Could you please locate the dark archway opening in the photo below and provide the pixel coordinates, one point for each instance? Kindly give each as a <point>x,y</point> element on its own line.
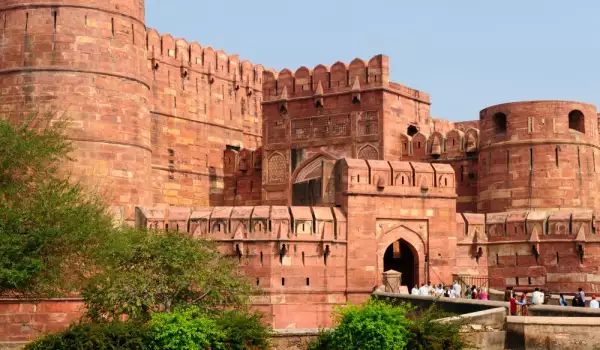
<point>399,256</point>
<point>412,130</point>
<point>577,121</point>
<point>500,123</point>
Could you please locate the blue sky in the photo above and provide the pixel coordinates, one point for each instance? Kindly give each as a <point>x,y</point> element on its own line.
<point>467,54</point>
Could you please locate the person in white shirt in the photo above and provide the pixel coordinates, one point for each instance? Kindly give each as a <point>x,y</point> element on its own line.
<point>594,303</point>
<point>439,290</point>
<point>537,298</point>
<point>452,293</point>
<point>424,290</point>
<point>415,290</point>
<point>457,289</point>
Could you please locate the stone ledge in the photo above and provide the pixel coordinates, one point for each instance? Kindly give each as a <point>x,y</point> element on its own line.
<point>554,320</point>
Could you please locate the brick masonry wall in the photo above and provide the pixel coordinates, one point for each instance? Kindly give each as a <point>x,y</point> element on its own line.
<point>202,101</point>
<point>538,161</point>
<point>26,320</point>
<point>85,59</point>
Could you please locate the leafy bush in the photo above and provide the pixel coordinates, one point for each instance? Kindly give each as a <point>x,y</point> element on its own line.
<point>427,334</point>
<point>373,325</point>
<point>244,330</point>
<point>98,336</point>
<point>186,330</point>
<point>377,324</point>
<point>191,328</point>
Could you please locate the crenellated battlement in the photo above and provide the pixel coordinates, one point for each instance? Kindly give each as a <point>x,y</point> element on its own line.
<point>252,223</point>
<point>358,75</point>
<point>452,144</point>
<point>164,49</point>
<point>395,177</point>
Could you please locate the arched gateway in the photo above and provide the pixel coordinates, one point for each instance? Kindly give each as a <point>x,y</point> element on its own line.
<point>400,256</point>
<point>403,250</point>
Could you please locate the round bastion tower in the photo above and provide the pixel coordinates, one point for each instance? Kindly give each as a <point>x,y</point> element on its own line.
<point>85,59</point>
<point>541,155</point>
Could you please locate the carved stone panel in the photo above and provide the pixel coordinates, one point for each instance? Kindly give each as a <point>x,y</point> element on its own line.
<point>276,169</point>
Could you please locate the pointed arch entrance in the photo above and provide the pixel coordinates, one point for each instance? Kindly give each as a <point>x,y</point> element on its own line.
<point>399,256</point>
<point>312,181</point>
<point>402,249</point>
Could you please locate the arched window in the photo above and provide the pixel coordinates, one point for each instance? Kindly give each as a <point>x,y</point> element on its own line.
<point>499,123</point>
<point>577,121</point>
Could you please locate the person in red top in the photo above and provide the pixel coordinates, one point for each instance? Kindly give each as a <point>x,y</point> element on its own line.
<point>513,305</point>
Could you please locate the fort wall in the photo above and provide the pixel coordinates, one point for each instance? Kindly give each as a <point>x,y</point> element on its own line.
<point>538,155</point>
<point>87,60</point>
<point>204,102</point>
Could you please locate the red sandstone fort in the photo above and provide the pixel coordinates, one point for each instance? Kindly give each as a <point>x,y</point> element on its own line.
<point>317,179</point>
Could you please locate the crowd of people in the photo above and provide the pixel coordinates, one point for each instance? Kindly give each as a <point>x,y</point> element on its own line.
<point>450,291</point>
<point>538,298</point>
<point>519,304</point>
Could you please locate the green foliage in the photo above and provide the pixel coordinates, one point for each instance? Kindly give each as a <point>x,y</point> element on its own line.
<point>186,329</point>
<point>379,325</point>
<point>98,336</point>
<point>146,271</point>
<point>426,333</point>
<point>373,325</point>
<point>45,220</point>
<point>244,330</point>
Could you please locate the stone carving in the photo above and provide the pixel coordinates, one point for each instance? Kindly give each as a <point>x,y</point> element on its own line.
<point>368,123</point>
<point>368,152</point>
<point>276,169</point>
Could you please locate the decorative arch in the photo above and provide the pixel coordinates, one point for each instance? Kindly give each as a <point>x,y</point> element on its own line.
<point>368,152</point>
<point>414,241</point>
<point>305,170</point>
<point>276,168</point>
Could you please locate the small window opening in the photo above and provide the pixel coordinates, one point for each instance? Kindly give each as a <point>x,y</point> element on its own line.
<point>412,130</point>
<point>358,178</point>
<point>307,281</point>
<point>516,281</point>
<point>497,260</point>
<point>112,24</point>
<point>283,281</point>
<point>258,281</point>
<point>445,182</point>
<point>419,144</point>
<point>557,258</point>
<point>303,261</point>
<point>403,179</point>
<point>499,123</point>
<point>556,150</point>
<point>530,158</point>
<point>261,258</point>
<point>516,229</point>
<point>167,227</point>
<point>577,121</point>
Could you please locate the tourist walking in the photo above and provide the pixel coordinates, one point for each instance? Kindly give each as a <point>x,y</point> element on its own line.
<point>574,301</point>
<point>523,302</point>
<point>423,291</point>
<point>415,290</point>
<point>513,305</point>
<point>537,298</point>
<point>594,303</point>
<point>457,289</point>
<point>562,300</point>
<point>581,298</point>
<point>474,294</point>
<point>483,294</point>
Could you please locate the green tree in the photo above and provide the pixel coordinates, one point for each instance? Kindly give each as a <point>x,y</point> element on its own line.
<point>47,223</point>
<point>149,271</point>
